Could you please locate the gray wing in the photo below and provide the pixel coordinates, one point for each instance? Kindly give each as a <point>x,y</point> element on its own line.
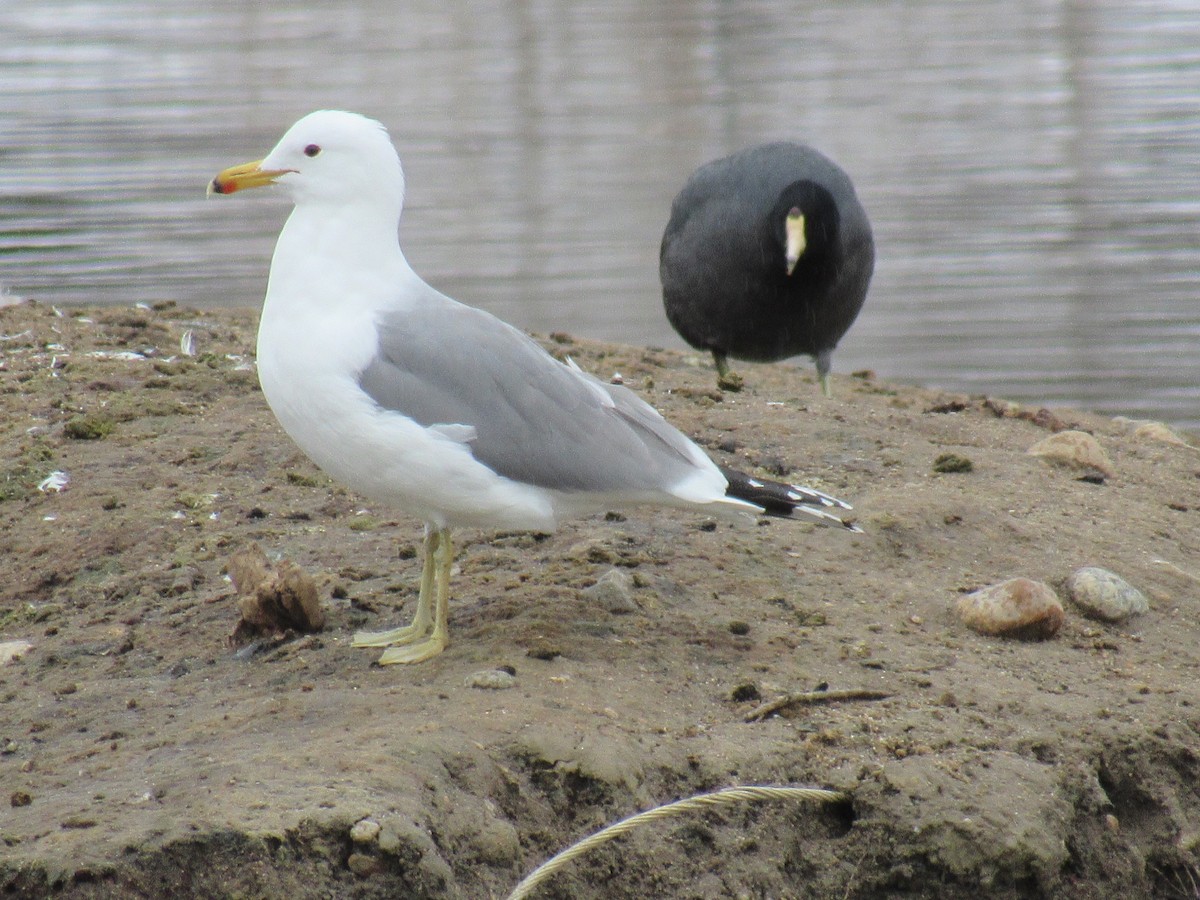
<point>536,420</point>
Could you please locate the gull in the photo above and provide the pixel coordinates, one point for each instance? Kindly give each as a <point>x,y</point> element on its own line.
<point>437,408</point>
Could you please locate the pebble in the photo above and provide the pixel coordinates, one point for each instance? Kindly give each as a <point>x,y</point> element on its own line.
<point>1104,595</point>
<point>362,865</point>
<point>1018,608</point>
<point>1157,431</point>
<point>491,680</point>
<point>1076,450</point>
<point>364,831</point>
<point>613,592</point>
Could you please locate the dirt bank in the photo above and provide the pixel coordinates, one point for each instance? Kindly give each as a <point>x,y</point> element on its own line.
<point>141,756</point>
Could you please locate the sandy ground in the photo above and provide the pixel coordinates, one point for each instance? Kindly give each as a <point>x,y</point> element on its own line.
<point>143,755</point>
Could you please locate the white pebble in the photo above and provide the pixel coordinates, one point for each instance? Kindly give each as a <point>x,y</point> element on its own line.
<point>1104,595</point>
<point>491,680</point>
<point>364,831</point>
<point>1074,449</point>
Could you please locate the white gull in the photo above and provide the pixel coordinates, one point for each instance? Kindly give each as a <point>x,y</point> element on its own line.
<point>437,408</point>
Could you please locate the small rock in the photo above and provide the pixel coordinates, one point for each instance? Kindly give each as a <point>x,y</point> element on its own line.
<point>1076,450</point>
<point>491,680</point>
<point>496,843</point>
<point>362,865</point>
<point>391,837</point>
<point>613,593</point>
<point>1103,595</point>
<point>364,831</point>
<point>13,650</point>
<point>20,798</point>
<point>1157,431</point>
<point>1018,608</point>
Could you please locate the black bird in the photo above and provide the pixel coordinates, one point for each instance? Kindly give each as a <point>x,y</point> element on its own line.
<point>768,254</point>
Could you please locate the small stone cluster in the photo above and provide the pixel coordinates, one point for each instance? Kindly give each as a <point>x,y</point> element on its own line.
<point>1031,610</point>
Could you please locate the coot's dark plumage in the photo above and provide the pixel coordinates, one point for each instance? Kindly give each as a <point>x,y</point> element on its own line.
<point>768,254</point>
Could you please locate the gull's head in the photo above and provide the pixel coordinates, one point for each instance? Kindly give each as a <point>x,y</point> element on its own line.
<point>329,156</point>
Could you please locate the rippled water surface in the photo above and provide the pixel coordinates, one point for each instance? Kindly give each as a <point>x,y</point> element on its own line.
<point>1032,169</point>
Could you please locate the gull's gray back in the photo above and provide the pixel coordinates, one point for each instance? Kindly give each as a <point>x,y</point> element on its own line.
<point>536,420</point>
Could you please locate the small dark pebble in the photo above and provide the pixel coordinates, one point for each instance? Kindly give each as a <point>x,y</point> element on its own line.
<point>1091,478</point>
<point>611,516</point>
<point>952,462</point>
<point>20,798</point>
<point>710,525</point>
<point>257,513</point>
<point>728,445</point>
<point>745,693</point>
<point>739,628</point>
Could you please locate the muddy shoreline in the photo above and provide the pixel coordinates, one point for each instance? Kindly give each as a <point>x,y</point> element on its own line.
<point>143,756</point>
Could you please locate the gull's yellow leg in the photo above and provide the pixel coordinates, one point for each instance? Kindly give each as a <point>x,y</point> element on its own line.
<point>423,619</point>
<point>415,652</point>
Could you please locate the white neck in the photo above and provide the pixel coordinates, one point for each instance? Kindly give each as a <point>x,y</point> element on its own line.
<point>358,242</point>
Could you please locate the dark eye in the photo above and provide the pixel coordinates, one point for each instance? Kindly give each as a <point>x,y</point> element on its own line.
<point>312,150</point>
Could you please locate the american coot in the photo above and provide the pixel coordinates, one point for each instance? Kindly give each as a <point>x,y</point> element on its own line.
<point>443,410</point>
<point>768,254</point>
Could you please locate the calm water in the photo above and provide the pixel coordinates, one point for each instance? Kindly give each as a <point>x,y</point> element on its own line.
<point>1032,168</point>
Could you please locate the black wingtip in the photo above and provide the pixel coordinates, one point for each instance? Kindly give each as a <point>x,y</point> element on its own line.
<point>787,500</point>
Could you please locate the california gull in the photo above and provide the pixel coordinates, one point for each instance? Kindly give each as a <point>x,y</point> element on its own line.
<point>437,408</point>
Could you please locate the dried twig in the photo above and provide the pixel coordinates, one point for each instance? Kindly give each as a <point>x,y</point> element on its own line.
<point>767,709</point>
